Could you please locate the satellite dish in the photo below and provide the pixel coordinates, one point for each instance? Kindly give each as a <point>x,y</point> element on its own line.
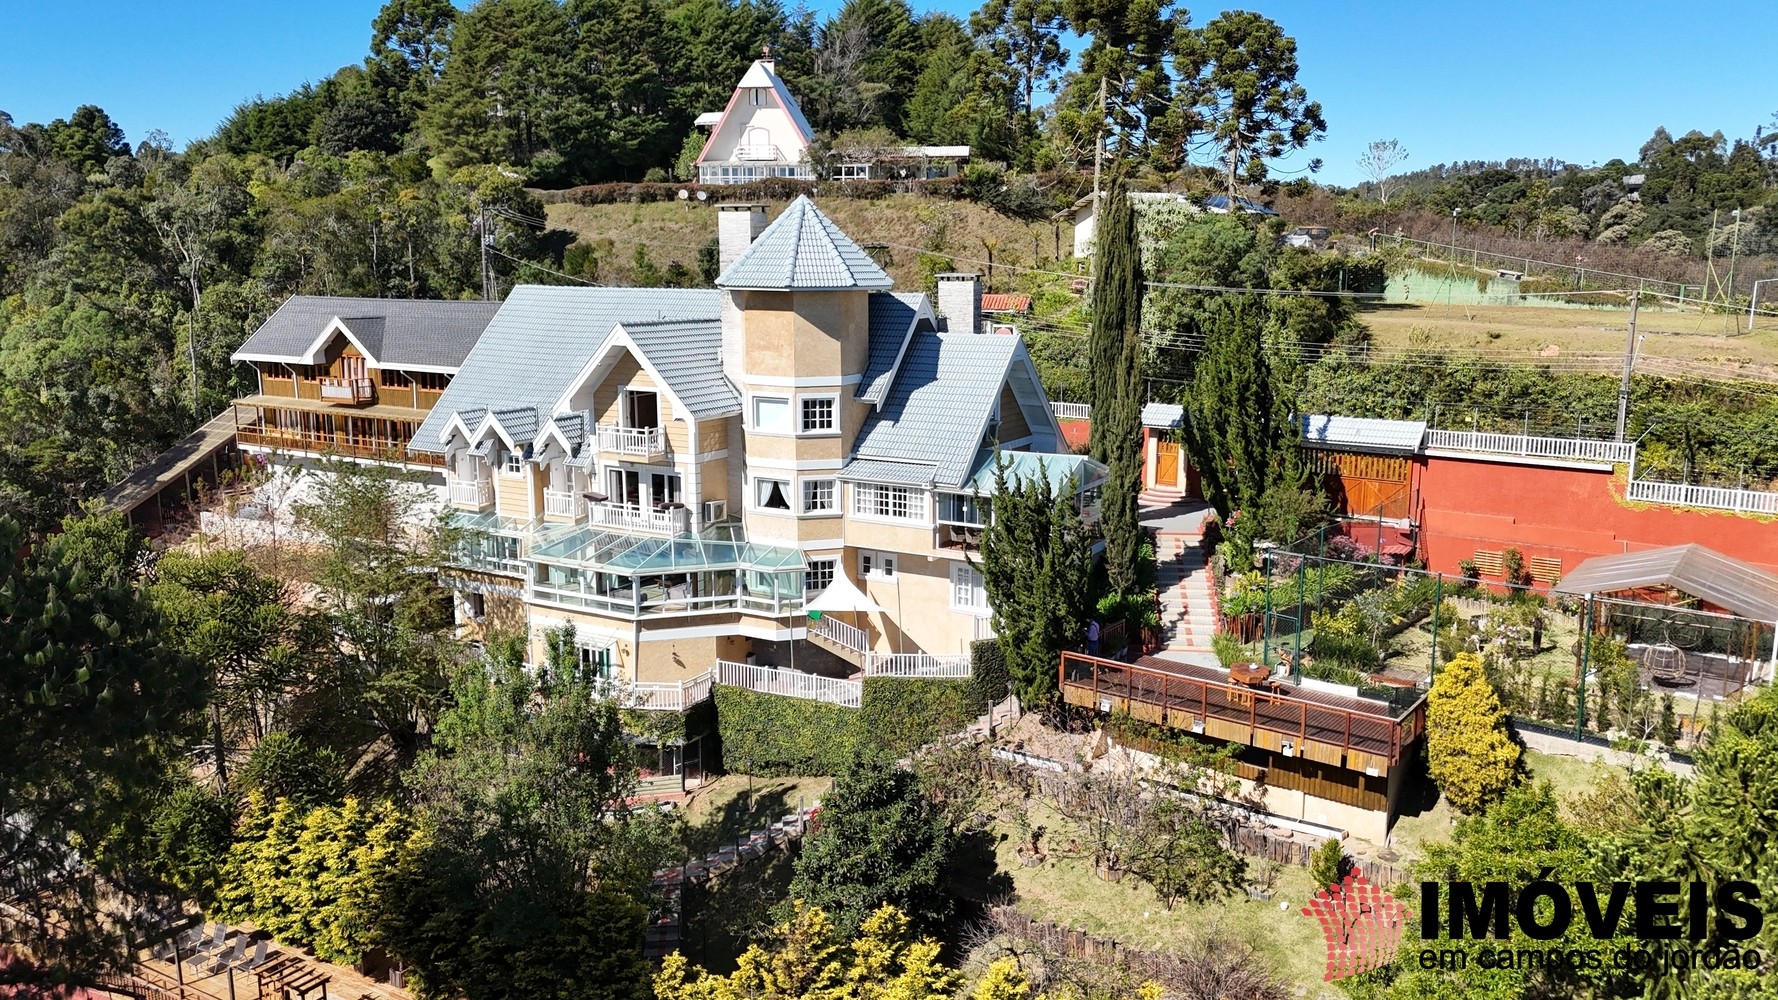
<point>684,194</point>
<point>703,195</point>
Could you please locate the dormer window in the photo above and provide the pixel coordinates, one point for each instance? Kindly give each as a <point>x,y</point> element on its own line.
<point>756,97</point>
<point>513,462</point>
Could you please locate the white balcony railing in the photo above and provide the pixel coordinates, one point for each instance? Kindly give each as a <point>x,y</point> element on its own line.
<point>349,390</point>
<point>758,151</point>
<point>915,665</point>
<point>628,517</point>
<point>658,696</point>
<point>1571,449</point>
<point>560,502</point>
<point>790,683</point>
<point>643,441</point>
<point>473,493</point>
<point>1714,497</point>
<point>840,634</point>
<point>1072,411</point>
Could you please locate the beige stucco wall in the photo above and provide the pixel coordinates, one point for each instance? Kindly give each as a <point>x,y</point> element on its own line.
<point>918,615</point>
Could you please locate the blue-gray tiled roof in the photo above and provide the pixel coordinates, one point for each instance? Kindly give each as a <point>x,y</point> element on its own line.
<point>935,412</point>
<point>892,318</point>
<point>1362,433</point>
<point>804,251</point>
<point>423,333</point>
<point>543,336</point>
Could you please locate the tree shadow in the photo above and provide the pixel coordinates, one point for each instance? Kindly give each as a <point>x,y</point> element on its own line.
<point>721,917</point>
<point>975,882</point>
<point>747,812</point>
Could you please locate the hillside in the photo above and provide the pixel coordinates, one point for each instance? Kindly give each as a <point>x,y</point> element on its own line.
<point>905,227</point>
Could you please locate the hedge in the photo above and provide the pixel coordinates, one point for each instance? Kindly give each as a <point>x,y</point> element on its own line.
<point>771,735</point>
<point>902,714</point>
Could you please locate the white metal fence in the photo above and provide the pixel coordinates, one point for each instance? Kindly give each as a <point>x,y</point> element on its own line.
<point>790,683</point>
<point>1573,449</point>
<point>840,634</point>
<point>915,665</point>
<point>1072,411</point>
<point>1716,497</point>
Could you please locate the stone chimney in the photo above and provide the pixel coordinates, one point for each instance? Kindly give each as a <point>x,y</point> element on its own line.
<point>737,226</point>
<point>960,301</point>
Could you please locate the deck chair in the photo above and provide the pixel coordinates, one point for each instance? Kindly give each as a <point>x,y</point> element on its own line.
<point>259,956</point>
<point>223,960</point>
<point>210,944</point>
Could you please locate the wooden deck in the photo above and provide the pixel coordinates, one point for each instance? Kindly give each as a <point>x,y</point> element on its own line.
<point>1355,733</point>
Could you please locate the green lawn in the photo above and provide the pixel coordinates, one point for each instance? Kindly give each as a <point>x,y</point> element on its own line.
<point>735,805</point>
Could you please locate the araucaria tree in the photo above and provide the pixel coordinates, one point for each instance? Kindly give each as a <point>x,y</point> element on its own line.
<point>1035,562</point>
<point>1115,350</point>
<point>1472,757</point>
<point>1248,101</point>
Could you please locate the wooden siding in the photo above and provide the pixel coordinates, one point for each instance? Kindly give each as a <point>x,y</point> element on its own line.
<point>1366,485</point>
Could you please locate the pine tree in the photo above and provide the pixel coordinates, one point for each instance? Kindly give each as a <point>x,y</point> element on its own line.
<point>1468,750</point>
<point>1035,562</point>
<point>1114,348</point>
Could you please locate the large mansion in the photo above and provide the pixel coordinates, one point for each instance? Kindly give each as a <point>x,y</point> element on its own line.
<point>678,472</point>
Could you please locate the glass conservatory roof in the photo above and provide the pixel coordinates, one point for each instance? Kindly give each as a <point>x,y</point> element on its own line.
<point>717,546</point>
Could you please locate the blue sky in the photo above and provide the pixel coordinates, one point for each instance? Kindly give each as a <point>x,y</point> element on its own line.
<point>1583,81</point>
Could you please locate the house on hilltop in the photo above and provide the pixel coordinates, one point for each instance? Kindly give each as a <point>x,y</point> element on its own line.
<point>762,133</point>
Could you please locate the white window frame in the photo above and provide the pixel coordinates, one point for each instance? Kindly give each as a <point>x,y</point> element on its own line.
<point>874,564</point>
<point>833,416</point>
<point>830,566</point>
<point>790,415</point>
<point>967,577</point>
<point>865,504</point>
<point>853,172</point>
<point>512,462</point>
<point>833,496</point>
<point>756,97</point>
<point>788,488</point>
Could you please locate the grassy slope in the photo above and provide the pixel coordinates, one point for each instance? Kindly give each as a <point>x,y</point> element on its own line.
<point>909,224</point>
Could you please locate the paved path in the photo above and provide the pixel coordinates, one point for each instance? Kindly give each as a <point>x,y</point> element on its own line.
<point>1188,619</point>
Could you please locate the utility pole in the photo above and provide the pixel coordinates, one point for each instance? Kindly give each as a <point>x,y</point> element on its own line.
<point>1099,155</point>
<point>486,239</point>
<point>1623,388</point>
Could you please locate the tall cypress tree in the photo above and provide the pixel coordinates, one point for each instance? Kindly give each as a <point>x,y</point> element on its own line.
<point>1115,349</point>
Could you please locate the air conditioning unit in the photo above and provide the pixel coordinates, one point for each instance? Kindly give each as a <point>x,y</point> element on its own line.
<point>715,510</point>
<point>1289,749</point>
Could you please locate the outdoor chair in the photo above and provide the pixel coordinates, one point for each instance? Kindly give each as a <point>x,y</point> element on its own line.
<point>225,959</point>
<point>259,956</point>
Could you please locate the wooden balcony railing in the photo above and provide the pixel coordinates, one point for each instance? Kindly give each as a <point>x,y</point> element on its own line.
<point>319,444</point>
<point>347,390</point>
<point>1292,721</point>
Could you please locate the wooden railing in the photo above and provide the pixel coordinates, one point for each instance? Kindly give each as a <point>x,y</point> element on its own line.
<point>628,517</point>
<point>347,390</point>
<point>473,493</point>
<point>1278,718</point>
<point>790,683</point>
<point>290,440</point>
<point>1714,497</point>
<point>642,441</point>
<point>1571,449</point>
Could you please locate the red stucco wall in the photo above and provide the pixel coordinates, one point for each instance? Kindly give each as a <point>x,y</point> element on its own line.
<point>1075,433</point>
<point>1572,514</point>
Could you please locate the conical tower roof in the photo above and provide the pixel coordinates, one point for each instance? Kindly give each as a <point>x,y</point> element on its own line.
<point>804,251</point>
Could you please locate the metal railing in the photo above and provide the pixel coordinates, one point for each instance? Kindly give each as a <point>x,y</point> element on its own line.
<point>351,390</point>
<point>477,493</point>
<point>662,696</point>
<point>629,517</point>
<point>630,440</point>
<point>562,502</point>
<point>1572,449</point>
<point>840,634</point>
<point>915,665</point>
<point>1714,497</point>
<point>757,151</point>
<point>1072,411</point>
<point>790,683</point>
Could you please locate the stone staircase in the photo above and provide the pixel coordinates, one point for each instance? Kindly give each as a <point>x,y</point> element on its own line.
<point>1160,496</point>
<point>1188,618</point>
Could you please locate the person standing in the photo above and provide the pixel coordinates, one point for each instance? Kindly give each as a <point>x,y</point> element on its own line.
<point>1093,637</point>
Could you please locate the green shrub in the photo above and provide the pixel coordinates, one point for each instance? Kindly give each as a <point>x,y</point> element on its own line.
<point>902,714</point>
<point>768,734</point>
<point>1328,864</point>
<point>989,680</point>
<point>1229,650</point>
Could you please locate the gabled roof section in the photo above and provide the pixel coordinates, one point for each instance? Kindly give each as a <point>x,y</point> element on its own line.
<point>1703,573</point>
<point>688,356</point>
<point>893,317</point>
<point>937,410</point>
<point>804,251</point>
<point>544,336</point>
<point>764,74</point>
<point>415,334</point>
<point>1392,437</point>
